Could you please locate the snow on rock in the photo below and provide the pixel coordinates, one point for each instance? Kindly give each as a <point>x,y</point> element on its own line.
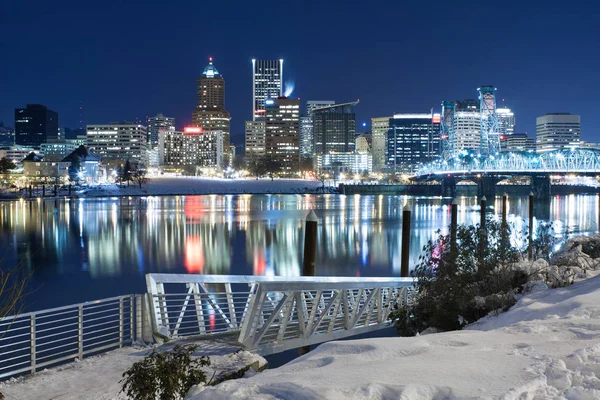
<point>546,346</point>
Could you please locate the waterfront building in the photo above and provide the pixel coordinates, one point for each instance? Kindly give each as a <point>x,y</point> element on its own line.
<point>466,125</point>
<point>16,153</point>
<point>118,141</point>
<point>413,140</point>
<point>255,139</point>
<point>379,130</point>
<point>334,128</point>
<point>557,131</point>
<point>89,164</point>
<point>191,147</point>
<point>34,125</point>
<point>35,167</point>
<point>363,144</point>
<point>155,124</point>
<point>349,162</point>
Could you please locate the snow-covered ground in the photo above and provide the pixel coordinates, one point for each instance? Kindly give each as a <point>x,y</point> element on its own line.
<point>98,377</point>
<point>193,185</point>
<point>546,347</point>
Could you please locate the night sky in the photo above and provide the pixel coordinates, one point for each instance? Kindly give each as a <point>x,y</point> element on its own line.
<point>130,59</point>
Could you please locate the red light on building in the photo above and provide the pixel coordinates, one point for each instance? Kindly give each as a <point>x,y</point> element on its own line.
<point>192,129</point>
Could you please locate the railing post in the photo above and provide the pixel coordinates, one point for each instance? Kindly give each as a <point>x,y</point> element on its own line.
<point>138,318</point>
<point>530,236</point>
<point>80,331</point>
<point>33,343</point>
<point>121,322</point>
<point>405,250</point>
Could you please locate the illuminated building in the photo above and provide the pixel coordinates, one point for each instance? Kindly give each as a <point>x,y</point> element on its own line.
<point>193,146</point>
<point>363,144</point>
<point>334,128</point>
<point>413,140</point>
<point>34,125</point>
<point>118,141</point>
<point>336,163</point>
<point>557,131</point>
<point>255,139</point>
<point>306,127</point>
<point>267,79</point>
<point>379,130</point>
<point>7,135</point>
<point>517,142</point>
<point>506,121</point>
<point>466,126</point>
<point>210,113</point>
<point>282,133</point>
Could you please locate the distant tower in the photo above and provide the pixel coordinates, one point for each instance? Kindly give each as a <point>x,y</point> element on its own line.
<point>489,135</point>
<point>267,79</point>
<point>447,130</point>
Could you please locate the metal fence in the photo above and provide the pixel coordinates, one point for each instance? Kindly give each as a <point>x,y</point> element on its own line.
<point>36,340</point>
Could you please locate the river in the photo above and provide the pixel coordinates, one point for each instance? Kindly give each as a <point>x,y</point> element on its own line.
<point>85,249</point>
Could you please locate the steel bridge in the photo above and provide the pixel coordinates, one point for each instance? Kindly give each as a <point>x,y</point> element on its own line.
<point>487,171</point>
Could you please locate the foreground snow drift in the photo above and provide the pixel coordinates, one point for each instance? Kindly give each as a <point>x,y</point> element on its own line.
<point>546,346</point>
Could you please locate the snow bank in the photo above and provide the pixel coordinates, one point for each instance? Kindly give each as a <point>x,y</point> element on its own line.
<point>193,185</point>
<point>546,346</point>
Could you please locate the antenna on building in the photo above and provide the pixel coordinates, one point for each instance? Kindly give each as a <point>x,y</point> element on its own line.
<point>81,115</point>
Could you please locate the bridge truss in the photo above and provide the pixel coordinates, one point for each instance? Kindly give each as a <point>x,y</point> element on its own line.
<point>586,161</point>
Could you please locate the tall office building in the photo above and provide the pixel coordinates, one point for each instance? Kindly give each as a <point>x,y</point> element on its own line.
<point>282,133</point>
<point>466,125</point>
<point>155,124</point>
<point>334,128</point>
<point>379,130</point>
<point>255,139</point>
<point>506,121</point>
<point>267,83</point>
<point>210,113</point>
<point>34,125</point>
<point>118,141</point>
<point>413,140</point>
<point>306,127</point>
<point>557,131</point>
<point>517,142</point>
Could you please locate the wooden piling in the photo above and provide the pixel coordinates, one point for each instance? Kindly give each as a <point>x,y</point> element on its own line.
<point>310,256</point>
<point>405,249</point>
<point>453,226</point>
<point>530,236</point>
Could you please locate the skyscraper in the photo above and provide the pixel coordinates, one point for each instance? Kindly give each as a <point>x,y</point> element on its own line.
<point>210,113</point>
<point>413,140</point>
<point>466,125</point>
<point>282,133</point>
<point>334,128</point>
<point>267,83</point>
<point>154,125</point>
<point>34,125</point>
<point>379,130</point>
<point>306,127</point>
<point>118,141</point>
<point>506,121</point>
<point>557,131</point>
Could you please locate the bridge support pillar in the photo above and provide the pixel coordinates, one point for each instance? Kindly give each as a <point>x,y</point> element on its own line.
<point>486,186</point>
<point>449,187</point>
<point>541,187</point>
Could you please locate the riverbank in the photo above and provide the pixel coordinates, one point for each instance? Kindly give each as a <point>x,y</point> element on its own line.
<point>180,186</point>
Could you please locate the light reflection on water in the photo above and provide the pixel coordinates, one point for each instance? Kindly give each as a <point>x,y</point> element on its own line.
<point>80,250</point>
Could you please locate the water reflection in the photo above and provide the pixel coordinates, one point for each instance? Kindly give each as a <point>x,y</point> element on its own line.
<point>96,239</point>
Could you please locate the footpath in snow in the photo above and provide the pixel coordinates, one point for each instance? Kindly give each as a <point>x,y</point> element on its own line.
<point>546,347</point>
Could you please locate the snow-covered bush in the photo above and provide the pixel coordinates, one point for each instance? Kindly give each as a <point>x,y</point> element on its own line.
<point>165,375</point>
<point>456,287</point>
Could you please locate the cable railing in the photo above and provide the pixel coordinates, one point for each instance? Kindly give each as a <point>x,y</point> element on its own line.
<point>33,341</point>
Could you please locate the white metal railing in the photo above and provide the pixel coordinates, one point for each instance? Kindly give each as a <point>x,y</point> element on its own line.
<point>36,340</point>
<point>273,314</point>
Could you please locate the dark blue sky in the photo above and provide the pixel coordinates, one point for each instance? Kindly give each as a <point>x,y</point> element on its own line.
<point>130,59</point>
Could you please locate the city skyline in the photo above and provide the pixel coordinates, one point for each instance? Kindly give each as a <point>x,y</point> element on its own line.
<point>530,89</point>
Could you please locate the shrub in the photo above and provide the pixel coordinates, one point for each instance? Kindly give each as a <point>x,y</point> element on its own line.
<point>456,286</point>
<point>165,375</point>
<point>544,241</point>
